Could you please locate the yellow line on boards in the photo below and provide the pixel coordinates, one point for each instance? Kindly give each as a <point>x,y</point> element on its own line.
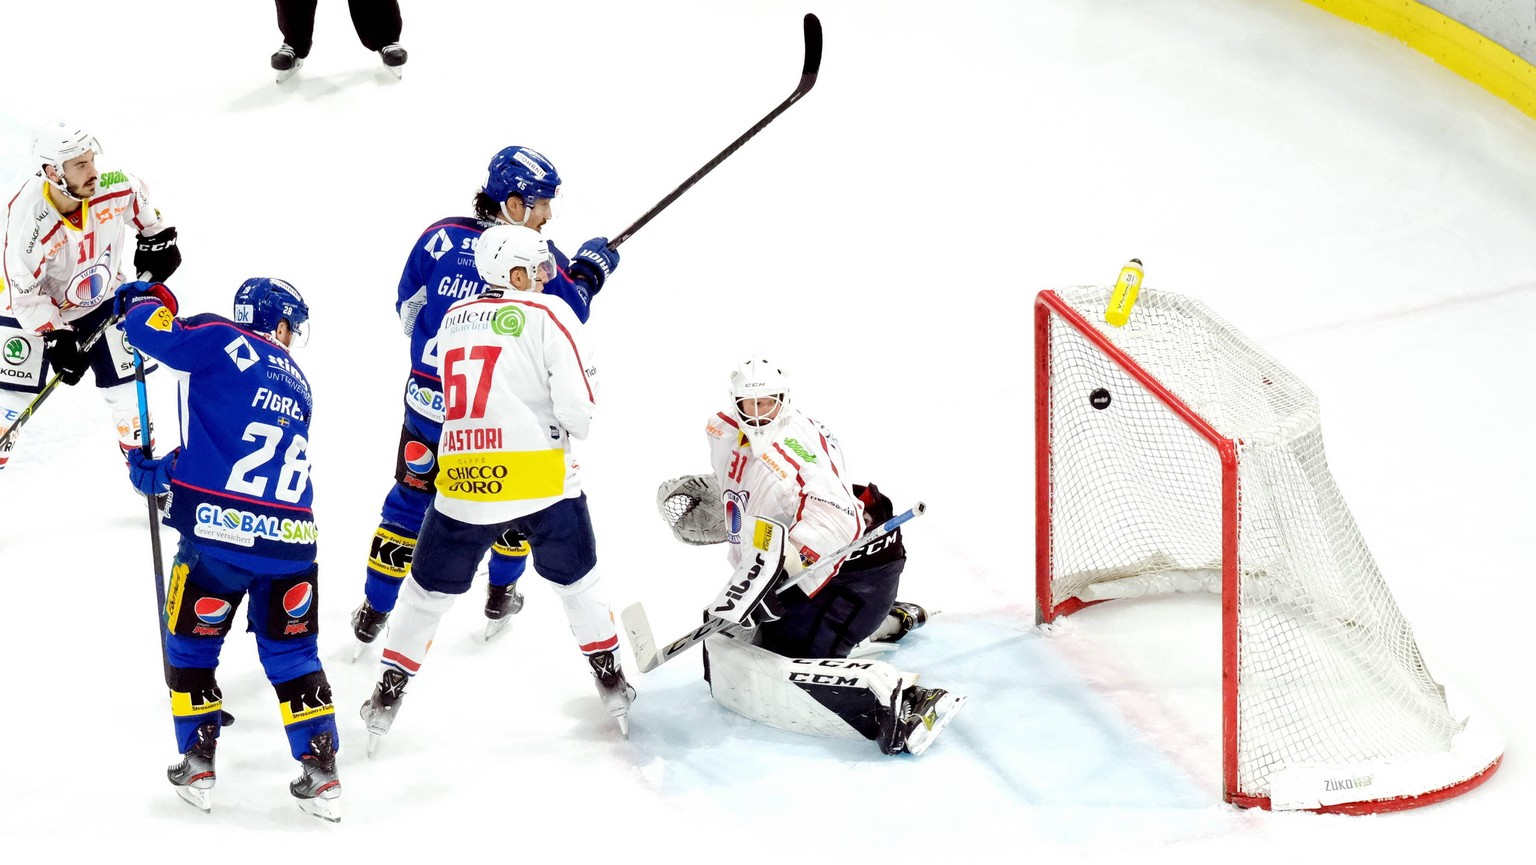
<point>1448,42</point>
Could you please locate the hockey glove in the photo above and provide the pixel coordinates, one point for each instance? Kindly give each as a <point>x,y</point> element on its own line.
<point>151,477</point>
<point>62,350</point>
<point>131,294</point>
<point>595,262</point>
<point>158,255</point>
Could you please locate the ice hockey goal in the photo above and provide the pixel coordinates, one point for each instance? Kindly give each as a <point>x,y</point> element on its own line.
<point>1172,454</point>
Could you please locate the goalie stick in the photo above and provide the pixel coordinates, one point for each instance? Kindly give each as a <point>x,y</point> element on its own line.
<point>807,81</point>
<point>643,642</point>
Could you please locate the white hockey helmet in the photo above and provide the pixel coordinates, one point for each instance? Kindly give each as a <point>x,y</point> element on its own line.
<point>758,378</point>
<point>58,143</point>
<point>503,247</point>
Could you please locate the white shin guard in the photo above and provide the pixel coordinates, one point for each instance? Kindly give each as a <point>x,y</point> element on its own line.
<point>123,403</point>
<point>413,625</point>
<point>587,610</point>
<point>782,692</point>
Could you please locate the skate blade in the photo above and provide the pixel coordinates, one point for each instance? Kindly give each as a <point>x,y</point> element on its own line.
<point>623,722</point>
<point>357,650</point>
<point>922,743</point>
<point>496,627</point>
<point>397,71</point>
<point>373,742</point>
<point>328,810</point>
<point>199,799</point>
<point>285,74</point>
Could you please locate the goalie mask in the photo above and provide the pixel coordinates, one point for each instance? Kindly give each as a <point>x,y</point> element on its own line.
<point>759,398</point>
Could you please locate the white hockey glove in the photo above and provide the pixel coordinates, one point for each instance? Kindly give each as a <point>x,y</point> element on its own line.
<point>691,507</point>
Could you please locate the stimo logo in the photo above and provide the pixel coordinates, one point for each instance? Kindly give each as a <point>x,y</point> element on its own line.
<point>242,353</point>
<point>439,244</point>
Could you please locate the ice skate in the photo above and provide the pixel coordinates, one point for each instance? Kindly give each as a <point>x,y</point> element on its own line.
<point>394,58</point>
<point>193,776</point>
<point>501,604</point>
<point>287,62</point>
<point>317,787</point>
<point>903,619</point>
<point>379,710</point>
<point>367,624</point>
<point>615,692</point>
<point>915,718</point>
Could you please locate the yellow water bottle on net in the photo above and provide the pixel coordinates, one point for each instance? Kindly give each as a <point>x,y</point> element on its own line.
<point>1124,297</point>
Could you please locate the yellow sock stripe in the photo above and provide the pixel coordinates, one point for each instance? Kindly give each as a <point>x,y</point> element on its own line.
<point>182,705</point>
<point>1448,42</point>
<point>518,551</point>
<point>305,713</point>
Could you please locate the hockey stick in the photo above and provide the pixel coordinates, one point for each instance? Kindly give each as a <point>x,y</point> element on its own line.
<point>26,413</point>
<point>147,448</point>
<point>807,81</point>
<point>643,642</point>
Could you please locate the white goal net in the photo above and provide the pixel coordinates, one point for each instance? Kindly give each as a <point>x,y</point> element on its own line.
<point>1175,455</point>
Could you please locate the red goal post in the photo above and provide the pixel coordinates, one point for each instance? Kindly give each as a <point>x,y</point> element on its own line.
<point>1174,455</point>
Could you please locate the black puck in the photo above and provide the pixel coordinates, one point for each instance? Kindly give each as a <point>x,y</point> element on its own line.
<point>1099,399</point>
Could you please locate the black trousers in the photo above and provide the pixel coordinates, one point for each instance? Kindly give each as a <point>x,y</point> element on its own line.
<point>845,612</point>
<point>377,22</point>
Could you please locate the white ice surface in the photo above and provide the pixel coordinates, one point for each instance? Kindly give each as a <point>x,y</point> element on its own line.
<point>1361,212</point>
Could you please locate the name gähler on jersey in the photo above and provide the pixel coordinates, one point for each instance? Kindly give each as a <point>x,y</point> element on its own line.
<point>244,528</point>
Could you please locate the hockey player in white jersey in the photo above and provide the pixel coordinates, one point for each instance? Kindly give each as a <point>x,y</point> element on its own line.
<point>793,671</point>
<point>66,244</point>
<point>519,386</point>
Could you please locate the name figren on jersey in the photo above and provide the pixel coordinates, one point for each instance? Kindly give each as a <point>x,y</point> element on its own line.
<point>241,484</point>
<point>439,273</point>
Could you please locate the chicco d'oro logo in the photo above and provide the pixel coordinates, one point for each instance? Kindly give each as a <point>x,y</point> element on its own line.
<point>17,350</point>
<point>508,320</point>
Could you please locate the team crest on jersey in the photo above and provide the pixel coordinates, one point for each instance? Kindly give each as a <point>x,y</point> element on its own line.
<point>735,513</point>
<point>439,244</point>
<point>296,600</point>
<point>211,610</point>
<point>161,320</point>
<point>91,285</point>
<point>241,352</point>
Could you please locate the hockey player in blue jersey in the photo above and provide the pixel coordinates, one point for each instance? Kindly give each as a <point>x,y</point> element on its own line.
<point>240,499</point>
<point>519,189</point>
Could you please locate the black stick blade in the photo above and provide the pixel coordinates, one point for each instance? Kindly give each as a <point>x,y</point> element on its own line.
<point>812,45</point>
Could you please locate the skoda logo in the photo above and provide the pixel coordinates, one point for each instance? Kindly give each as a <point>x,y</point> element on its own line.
<point>17,350</point>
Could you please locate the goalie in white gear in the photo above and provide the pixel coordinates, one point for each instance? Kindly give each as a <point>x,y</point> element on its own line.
<point>519,385</point>
<point>793,671</point>
<point>65,246</point>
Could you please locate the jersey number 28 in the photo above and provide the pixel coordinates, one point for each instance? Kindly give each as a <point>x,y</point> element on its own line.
<point>292,478</point>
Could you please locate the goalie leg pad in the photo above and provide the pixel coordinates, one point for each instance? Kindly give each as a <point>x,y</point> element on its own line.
<point>829,697</point>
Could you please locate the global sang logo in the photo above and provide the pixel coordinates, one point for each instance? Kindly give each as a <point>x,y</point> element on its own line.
<point>244,528</point>
<point>426,402</point>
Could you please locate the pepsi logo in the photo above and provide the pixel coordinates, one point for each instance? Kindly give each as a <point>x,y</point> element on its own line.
<point>297,600</point>
<point>211,610</point>
<point>418,457</point>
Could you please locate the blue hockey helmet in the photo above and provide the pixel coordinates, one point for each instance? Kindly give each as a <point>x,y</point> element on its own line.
<point>523,172</point>
<point>261,302</point>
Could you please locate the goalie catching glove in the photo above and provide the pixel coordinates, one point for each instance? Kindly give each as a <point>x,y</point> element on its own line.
<point>691,506</point>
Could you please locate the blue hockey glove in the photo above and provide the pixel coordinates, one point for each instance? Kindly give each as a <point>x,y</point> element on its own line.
<point>129,294</point>
<point>151,477</point>
<point>595,262</point>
